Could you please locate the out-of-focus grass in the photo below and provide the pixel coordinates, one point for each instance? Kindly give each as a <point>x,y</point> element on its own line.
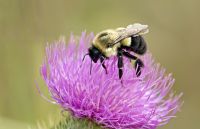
<point>6,123</point>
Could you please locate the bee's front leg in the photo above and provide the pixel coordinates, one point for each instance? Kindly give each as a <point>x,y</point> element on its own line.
<point>102,59</point>
<point>120,62</point>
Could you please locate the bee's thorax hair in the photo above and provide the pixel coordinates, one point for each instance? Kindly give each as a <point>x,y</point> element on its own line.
<point>104,40</point>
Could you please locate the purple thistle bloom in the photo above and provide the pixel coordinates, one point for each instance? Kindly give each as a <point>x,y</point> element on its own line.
<point>144,102</point>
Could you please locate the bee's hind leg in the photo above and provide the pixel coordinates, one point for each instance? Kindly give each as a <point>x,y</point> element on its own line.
<point>138,66</point>
<point>138,63</point>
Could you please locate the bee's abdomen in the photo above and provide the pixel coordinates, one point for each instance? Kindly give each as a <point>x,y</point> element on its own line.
<point>138,45</point>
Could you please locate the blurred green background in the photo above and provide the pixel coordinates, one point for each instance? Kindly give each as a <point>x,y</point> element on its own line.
<point>26,26</point>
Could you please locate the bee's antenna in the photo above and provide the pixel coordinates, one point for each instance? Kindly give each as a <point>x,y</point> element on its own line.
<point>85,56</point>
<point>84,59</point>
<point>90,63</point>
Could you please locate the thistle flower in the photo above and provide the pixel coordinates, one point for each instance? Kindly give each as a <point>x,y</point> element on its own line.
<point>144,102</point>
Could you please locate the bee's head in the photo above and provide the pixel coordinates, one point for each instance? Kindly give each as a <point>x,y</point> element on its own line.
<point>94,53</point>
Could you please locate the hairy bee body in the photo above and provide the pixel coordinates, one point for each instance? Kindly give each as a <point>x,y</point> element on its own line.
<point>102,42</point>
<point>136,44</point>
<point>119,42</point>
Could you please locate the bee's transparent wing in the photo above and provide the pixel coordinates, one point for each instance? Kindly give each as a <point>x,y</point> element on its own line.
<point>131,30</point>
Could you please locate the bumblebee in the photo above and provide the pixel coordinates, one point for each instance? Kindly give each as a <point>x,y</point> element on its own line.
<point>120,42</point>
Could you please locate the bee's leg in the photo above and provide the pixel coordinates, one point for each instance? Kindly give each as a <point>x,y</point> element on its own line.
<point>120,63</point>
<point>138,63</point>
<point>90,67</point>
<point>138,66</point>
<point>102,59</point>
<point>130,56</point>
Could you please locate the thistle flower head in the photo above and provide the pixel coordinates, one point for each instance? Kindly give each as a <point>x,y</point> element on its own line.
<point>144,102</point>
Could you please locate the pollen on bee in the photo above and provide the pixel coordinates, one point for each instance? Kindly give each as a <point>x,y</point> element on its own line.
<point>126,42</point>
<point>110,52</point>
